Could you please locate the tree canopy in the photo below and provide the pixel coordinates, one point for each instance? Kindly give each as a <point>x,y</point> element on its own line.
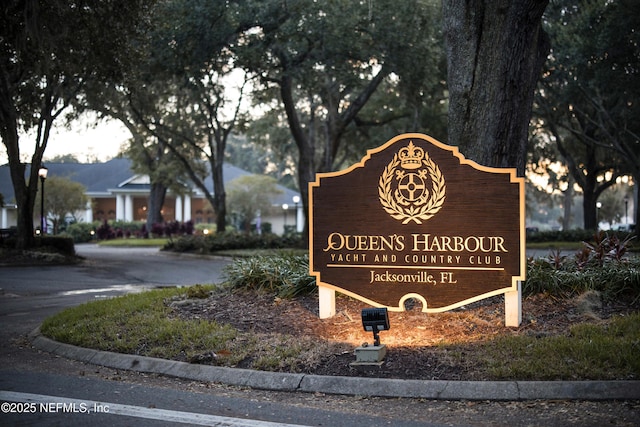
<point>588,97</point>
<point>64,199</point>
<point>325,62</point>
<point>317,83</point>
<point>49,50</point>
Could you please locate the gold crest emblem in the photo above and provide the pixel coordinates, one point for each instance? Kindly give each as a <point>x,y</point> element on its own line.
<point>411,188</point>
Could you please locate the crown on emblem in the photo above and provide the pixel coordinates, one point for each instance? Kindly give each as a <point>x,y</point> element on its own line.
<point>411,156</point>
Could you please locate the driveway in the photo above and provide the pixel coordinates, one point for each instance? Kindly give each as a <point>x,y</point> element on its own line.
<point>28,295</point>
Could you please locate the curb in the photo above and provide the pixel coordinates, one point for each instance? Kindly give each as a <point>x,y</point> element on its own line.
<point>279,381</point>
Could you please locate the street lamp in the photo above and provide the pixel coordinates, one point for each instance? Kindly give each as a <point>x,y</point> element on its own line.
<point>285,207</point>
<point>42,173</point>
<point>598,206</point>
<point>626,204</point>
<point>296,200</point>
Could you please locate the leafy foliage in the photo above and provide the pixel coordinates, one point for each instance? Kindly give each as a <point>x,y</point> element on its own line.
<point>575,235</point>
<point>233,240</point>
<point>80,232</point>
<point>64,198</point>
<point>250,195</point>
<point>49,52</point>
<point>599,266</point>
<point>287,275</point>
<point>586,103</point>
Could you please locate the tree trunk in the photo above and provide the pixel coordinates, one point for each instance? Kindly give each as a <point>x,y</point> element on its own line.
<point>156,201</point>
<point>495,52</point>
<point>636,210</point>
<point>25,200</point>
<point>590,215</point>
<point>567,204</point>
<point>219,192</point>
<point>336,124</point>
<point>306,150</point>
<point>25,195</point>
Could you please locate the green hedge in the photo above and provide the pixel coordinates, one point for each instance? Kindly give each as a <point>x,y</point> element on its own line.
<point>80,232</point>
<point>233,240</point>
<point>576,235</point>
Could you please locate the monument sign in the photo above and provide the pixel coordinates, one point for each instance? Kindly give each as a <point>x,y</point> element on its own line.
<point>415,219</point>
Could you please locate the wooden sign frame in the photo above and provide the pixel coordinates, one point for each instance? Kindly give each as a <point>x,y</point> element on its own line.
<point>416,219</point>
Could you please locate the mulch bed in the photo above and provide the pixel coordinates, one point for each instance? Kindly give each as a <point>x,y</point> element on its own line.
<point>412,341</point>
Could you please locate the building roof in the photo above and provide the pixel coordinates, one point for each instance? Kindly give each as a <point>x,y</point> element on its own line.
<point>103,178</point>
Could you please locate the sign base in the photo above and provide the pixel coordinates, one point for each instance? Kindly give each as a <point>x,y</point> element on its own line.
<point>513,307</point>
<point>327,302</point>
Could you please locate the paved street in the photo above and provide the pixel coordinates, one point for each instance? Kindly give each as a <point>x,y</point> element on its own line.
<point>66,392</point>
<point>30,294</point>
<point>59,391</point>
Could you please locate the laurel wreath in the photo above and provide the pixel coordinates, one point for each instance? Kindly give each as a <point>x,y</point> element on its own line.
<point>412,213</point>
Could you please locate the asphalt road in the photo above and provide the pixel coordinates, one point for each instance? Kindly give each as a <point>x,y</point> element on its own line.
<point>30,294</point>
<point>41,389</point>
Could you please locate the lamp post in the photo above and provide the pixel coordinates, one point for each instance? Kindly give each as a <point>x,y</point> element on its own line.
<point>42,173</point>
<point>285,207</point>
<point>296,200</point>
<point>626,204</point>
<point>598,207</point>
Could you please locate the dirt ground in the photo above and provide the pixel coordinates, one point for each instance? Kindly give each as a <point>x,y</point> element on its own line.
<point>412,353</point>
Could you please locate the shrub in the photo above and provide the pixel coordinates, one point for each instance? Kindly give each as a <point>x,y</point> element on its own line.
<point>575,235</point>
<point>233,240</point>
<point>127,228</point>
<point>185,244</point>
<point>104,232</point>
<point>287,275</point>
<point>80,232</point>
<point>600,266</point>
<point>172,228</point>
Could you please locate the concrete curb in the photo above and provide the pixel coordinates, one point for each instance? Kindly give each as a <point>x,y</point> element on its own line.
<point>278,381</point>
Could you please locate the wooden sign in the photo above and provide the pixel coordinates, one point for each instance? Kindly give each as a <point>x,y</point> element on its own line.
<point>415,219</point>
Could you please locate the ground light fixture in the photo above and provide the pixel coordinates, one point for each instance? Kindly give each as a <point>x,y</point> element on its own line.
<point>372,356</point>
<point>375,320</point>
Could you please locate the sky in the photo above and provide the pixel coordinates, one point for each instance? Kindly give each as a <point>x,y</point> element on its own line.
<point>101,142</point>
<point>89,142</point>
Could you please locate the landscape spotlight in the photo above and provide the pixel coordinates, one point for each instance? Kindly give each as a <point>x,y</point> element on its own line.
<point>375,320</point>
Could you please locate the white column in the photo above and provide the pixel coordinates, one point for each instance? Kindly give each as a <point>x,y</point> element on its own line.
<point>187,208</point>
<point>120,209</point>
<point>4,220</point>
<point>88,213</point>
<point>179,208</point>
<point>128,208</point>
<point>299,218</point>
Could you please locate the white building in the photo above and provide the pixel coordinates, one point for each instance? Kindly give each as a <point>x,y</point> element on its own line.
<point>117,193</point>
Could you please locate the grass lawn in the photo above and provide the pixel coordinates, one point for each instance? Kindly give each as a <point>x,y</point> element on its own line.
<point>143,324</point>
<point>135,242</point>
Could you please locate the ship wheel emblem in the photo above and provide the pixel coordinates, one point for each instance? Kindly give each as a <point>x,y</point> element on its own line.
<point>411,188</point>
